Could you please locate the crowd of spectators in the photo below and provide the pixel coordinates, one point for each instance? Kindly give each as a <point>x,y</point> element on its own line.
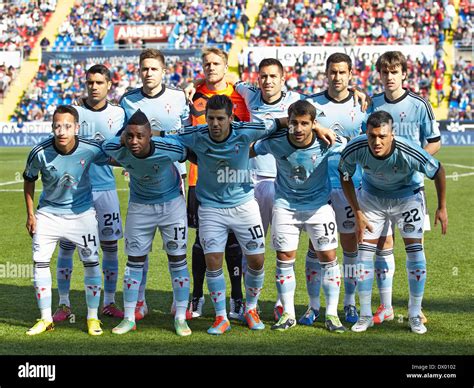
<point>20,26</point>
<point>461,98</point>
<point>62,82</point>
<point>195,23</point>
<point>296,22</point>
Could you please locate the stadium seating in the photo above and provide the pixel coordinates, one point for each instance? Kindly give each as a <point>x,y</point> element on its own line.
<point>20,26</point>
<point>61,83</point>
<point>361,23</point>
<point>194,23</point>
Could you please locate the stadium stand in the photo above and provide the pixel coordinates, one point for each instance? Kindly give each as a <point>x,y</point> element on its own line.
<point>20,26</point>
<point>362,23</point>
<point>194,23</point>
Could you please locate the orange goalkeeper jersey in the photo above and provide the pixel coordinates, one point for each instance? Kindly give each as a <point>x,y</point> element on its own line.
<point>198,113</point>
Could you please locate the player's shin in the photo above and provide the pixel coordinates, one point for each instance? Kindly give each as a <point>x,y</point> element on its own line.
<point>253,286</point>
<point>64,271</point>
<point>141,289</point>
<point>42,283</point>
<point>350,279</point>
<point>93,285</point>
<point>313,279</point>
<point>131,283</point>
<point>331,284</point>
<point>286,285</point>
<point>180,283</point>
<point>110,271</point>
<point>365,278</point>
<point>216,286</point>
<point>416,269</point>
<point>384,271</point>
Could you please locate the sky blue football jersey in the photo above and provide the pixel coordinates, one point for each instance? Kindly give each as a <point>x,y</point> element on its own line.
<point>413,119</point>
<point>153,179</point>
<point>343,118</point>
<point>100,125</point>
<point>394,176</point>
<point>224,177</point>
<point>168,111</point>
<point>302,181</point>
<point>66,184</point>
<point>264,165</point>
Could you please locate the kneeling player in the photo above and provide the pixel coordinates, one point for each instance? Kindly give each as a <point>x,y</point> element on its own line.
<point>65,212</point>
<point>155,202</point>
<point>390,191</point>
<point>301,202</point>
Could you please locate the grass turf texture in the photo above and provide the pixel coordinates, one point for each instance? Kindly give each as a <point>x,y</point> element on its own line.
<point>447,304</point>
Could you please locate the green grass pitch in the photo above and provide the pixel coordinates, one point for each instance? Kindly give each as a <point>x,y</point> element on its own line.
<point>448,301</point>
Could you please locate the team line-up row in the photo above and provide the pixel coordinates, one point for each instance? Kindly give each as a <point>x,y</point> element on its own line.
<point>306,176</point>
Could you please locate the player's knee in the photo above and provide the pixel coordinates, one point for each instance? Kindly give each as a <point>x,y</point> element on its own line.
<point>286,256</point>
<point>326,256</point>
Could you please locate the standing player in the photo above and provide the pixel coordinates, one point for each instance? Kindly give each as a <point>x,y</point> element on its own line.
<point>65,212</point>
<point>226,202</point>
<point>268,101</point>
<point>215,69</point>
<point>167,110</point>
<point>335,110</point>
<point>301,202</point>
<point>413,120</point>
<point>391,191</point>
<point>99,120</point>
<point>155,202</point>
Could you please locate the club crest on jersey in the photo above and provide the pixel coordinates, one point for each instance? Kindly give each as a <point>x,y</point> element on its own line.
<point>83,162</point>
<point>352,114</point>
<point>110,122</point>
<point>403,115</point>
<point>313,158</point>
<point>168,108</point>
<point>236,148</point>
<point>156,167</point>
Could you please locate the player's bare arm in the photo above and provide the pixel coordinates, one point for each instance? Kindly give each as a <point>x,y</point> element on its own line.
<point>29,193</point>
<point>441,212</point>
<point>433,148</point>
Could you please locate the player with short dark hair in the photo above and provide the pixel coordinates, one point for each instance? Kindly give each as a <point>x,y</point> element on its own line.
<point>99,120</point>
<point>167,110</point>
<point>65,212</point>
<point>335,110</point>
<point>226,202</point>
<point>391,191</point>
<point>155,202</point>
<point>302,202</point>
<point>413,119</point>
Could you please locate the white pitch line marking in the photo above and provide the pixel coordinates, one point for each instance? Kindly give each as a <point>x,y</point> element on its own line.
<point>458,165</point>
<point>9,183</point>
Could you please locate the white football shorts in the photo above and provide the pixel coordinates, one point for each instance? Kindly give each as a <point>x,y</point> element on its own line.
<point>320,225</point>
<point>407,214</point>
<point>143,220</point>
<point>244,220</point>
<point>80,229</point>
<point>107,206</point>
